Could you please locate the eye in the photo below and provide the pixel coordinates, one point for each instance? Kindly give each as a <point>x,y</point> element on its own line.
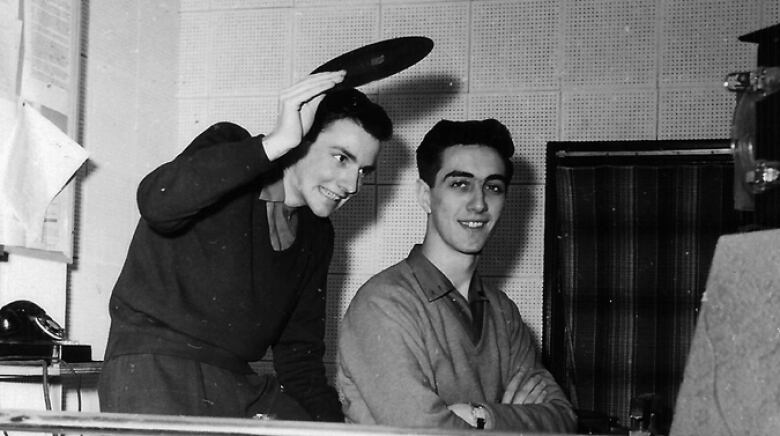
<point>496,188</point>
<point>366,171</point>
<point>460,184</point>
<point>340,158</point>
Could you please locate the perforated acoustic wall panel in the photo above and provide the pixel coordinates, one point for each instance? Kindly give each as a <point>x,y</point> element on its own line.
<point>512,43</point>
<point>695,112</point>
<point>609,114</point>
<point>348,28</point>
<point>549,69</point>
<point>610,43</point>
<point>445,68</point>
<point>251,52</point>
<point>195,38</point>
<point>699,42</point>
<point>257,114</point>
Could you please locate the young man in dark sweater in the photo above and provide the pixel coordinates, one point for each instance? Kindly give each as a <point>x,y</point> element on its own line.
<point>427,343</point>
<point>230,257</point>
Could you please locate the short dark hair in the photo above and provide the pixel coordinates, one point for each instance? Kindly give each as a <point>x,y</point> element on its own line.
<point>490,133</point>
<point>351,104</point>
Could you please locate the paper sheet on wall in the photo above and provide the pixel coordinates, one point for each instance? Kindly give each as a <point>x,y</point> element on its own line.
<point>35,164</point>
<point>47,66</point>
<point>11,230</point>
<point>10,38</point>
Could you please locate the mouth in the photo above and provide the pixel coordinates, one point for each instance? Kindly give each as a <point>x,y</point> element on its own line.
<point>330,194</point>
<point>472,225</point>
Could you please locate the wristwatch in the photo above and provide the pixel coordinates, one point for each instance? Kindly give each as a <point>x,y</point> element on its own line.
<point>479,413</point>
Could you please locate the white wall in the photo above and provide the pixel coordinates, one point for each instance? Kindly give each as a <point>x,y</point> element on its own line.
<point>129,128</point>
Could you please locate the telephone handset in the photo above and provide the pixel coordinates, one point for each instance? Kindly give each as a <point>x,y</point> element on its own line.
<point>24,320</point>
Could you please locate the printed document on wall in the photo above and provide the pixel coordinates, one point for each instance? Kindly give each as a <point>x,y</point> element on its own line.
<point>10,38</point>
<point>48,63</point>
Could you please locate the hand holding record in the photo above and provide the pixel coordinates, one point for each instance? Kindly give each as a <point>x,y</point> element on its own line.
<point>378,60</point>
<point>297,106</point>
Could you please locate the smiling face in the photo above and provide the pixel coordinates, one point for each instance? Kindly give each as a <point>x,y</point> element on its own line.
<point>332,169</point>
<point>465,202</point>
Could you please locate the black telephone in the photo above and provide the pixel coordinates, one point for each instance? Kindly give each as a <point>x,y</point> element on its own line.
<point>25,321</point>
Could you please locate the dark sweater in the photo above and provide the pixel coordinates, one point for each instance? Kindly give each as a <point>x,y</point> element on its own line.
<point>202,281</point>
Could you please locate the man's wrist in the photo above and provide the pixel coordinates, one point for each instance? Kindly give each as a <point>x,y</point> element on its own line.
<point>480,414</point>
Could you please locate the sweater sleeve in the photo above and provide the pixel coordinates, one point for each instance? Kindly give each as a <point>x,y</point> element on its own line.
<point>220,160</point>
<point>298,354</point>
<point>554,413</point>
<point>381,358</point>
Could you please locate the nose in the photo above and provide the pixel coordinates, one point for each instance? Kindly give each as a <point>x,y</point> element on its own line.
<point>350,181</point>
<point>477,201</point>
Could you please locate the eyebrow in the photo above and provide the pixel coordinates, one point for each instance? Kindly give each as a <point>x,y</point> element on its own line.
<point>458,173</point>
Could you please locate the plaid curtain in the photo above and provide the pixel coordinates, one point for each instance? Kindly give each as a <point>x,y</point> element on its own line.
<point>634,248</point>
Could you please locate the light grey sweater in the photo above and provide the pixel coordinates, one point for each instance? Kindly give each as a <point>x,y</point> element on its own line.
<point>404,356</point>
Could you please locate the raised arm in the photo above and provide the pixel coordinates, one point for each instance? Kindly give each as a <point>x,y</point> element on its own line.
<point>225,158</point>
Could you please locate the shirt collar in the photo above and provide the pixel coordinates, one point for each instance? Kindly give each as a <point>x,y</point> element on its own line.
<point>273,191</point>
<point>432,281</point>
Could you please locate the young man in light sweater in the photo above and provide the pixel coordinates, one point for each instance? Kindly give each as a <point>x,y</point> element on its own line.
<point>426,343</point>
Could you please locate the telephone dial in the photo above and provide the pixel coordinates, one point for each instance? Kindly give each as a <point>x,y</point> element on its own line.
<point>24,320</point>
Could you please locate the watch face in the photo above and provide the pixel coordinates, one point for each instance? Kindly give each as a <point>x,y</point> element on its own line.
<point>479,414</point>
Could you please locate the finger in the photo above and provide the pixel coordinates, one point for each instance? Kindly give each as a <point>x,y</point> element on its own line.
<point>313,85</point>
<point>537,394</point>
<point>522,394</point>
<point>511,389</point>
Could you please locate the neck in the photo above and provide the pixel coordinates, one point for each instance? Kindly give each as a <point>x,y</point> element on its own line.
<point>457,267</point>
<point>291,195</point>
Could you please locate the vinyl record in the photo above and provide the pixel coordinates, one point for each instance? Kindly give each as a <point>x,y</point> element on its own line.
<point>378,60</point>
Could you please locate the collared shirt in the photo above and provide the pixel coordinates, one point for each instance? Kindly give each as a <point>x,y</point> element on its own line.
<point>436,285</point>
<point>282,219</point>
<point>404,356</point>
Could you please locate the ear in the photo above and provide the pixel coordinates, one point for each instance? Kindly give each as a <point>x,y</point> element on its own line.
<point>424,195</point>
